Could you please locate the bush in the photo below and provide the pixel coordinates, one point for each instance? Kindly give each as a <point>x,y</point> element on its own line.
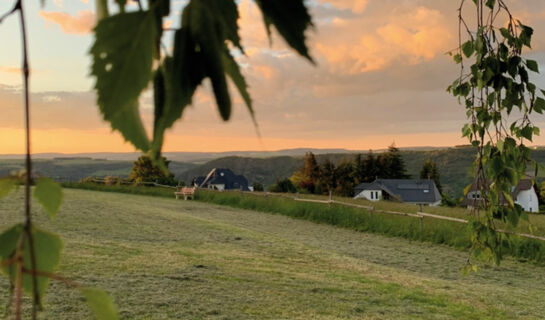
<point>283,186</point>
<point>258,187</point>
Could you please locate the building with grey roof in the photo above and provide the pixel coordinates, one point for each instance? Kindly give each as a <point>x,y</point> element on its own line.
<point>416,191</point>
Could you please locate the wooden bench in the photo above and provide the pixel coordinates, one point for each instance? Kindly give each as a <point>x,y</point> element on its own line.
<point>185,192</point>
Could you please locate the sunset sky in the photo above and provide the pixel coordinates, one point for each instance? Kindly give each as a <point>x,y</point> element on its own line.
<point>380,77</point>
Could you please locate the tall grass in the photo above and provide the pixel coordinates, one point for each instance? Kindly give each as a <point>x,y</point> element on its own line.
<point>435,231</point>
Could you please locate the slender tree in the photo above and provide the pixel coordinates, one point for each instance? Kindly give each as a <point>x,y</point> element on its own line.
<point>430,171</point>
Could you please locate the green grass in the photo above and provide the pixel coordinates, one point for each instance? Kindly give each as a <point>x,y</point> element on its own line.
<point>165,259</point>
<point>435,231</point>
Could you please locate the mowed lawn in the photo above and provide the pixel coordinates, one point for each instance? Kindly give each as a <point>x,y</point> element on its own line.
<point>167,259</point>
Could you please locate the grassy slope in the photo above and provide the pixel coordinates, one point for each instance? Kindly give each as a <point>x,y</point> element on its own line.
<point>162,258</point>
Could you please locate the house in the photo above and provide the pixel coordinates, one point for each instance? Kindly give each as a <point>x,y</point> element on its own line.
<point>222,179</point>
<point>416,191</point>
<point>523,194</point>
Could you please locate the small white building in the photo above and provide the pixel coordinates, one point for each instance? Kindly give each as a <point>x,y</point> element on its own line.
<point>523,194</point>
<point>415,191</point>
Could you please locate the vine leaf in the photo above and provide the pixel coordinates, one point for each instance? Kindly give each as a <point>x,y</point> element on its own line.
<point>47,249</point>
<point>122,54</point>
<point>100,303</point>
<point>49,194</point>
<point>291,19</point>
<point>6,185</point>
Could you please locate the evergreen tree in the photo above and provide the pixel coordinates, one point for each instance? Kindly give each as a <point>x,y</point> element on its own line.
<point>393,164</point>
<point>371,168</point>
<point>429,171</point>
<point>345,184</point>
<point>359,170</point>
<point>328,178</point>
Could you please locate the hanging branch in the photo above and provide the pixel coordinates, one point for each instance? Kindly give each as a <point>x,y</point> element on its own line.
<point>494,87</point>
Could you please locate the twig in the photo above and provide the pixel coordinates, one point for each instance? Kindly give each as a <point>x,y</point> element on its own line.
<point>9,13</point>
<point>38,273</point>
<point>28,161</point>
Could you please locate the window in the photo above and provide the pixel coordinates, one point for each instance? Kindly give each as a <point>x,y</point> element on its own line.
<point>372,194</point>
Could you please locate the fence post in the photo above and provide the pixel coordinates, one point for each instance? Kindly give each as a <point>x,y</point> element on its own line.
<point>372,210</point>
<point>421,224</point>
<point>297,195</point>
<point>330,199</point>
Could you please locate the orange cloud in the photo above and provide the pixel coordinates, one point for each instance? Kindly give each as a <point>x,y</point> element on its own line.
<point>408,37</point>
<point>80,24</point>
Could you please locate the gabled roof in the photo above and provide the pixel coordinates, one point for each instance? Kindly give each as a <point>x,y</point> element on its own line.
<point>523,185</point>
<point>406,190</point>
<point>223,176</point>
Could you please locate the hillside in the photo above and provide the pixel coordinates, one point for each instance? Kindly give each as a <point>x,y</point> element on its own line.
<point>167,259</point>
<point>75,169</point>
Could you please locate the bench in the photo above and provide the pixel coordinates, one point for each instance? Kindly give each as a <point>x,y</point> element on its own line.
<point>185,192</point>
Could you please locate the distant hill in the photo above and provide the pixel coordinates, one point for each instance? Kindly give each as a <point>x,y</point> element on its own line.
<point>74,169</point>
<point>196,157</point>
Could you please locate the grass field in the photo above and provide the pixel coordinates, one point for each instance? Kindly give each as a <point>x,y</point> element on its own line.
<point>167,259</point>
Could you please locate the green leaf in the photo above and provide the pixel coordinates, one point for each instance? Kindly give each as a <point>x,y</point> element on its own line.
<point>49,194</point>
<point>532,65</point>
<point>457,58</point>
<point>491,3</point>
<point>468,48</point>
<point>8,241</point>
<point>101,9</point>
<point>291,19</point>
<point>6,185</point>
<point>122,65</point>
<point>526,35</point>
<point>226,14</point>
<point>500,145</point>
<point>47,249</point>
<point>527,132</point>
<point>100,303</point>
<point>203,29</point>
<point>232,69</point>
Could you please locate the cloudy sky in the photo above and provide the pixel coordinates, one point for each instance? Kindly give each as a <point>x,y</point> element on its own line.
<point>380,77</point>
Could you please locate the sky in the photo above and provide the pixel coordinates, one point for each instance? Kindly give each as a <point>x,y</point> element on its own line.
<point>381,77</point>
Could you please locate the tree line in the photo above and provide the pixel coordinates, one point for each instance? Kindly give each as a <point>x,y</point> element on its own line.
<point>342,178</point>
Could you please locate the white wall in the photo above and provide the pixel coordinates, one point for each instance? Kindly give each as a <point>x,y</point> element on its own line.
<point>219,187</point>
<point>370,195</point>
<point>528,200</point>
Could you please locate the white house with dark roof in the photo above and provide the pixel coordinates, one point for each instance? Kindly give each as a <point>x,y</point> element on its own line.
<point>222,179</point>
<point>523,194</point>
<point>416,191</point>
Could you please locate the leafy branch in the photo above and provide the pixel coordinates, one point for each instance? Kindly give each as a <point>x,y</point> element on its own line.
<point>494,89</point>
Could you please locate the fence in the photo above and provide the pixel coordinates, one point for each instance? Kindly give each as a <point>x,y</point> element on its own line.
<point>373,210</point>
